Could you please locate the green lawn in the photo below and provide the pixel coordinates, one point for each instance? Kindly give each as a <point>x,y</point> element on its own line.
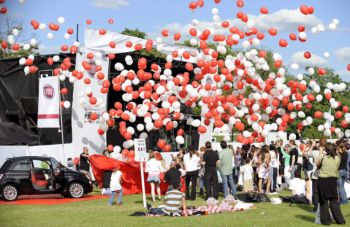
<point>97,213</point>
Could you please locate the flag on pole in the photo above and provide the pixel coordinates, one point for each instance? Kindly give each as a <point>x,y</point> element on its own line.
<point>49,101</point>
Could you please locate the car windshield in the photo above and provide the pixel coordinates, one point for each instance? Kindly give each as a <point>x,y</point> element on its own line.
<point>57,165</point>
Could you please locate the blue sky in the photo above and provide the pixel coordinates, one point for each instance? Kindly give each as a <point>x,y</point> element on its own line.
<point>153,15</point>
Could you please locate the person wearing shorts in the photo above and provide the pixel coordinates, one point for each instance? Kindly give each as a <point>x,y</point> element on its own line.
<point>154,169</point>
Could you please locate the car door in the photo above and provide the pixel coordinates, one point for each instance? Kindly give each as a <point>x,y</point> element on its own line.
<point>20,173</point>
<point>41,174</point>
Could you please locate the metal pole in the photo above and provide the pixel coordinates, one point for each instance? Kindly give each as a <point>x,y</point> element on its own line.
<point>62,136</point>
<point>77,36</point>
<point>143,185</point>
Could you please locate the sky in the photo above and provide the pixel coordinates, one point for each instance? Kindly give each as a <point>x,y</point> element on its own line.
<point>151,16</point>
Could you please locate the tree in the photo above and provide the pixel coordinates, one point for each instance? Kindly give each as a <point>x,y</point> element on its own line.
<point>134,32</point>
<point>7,24</point>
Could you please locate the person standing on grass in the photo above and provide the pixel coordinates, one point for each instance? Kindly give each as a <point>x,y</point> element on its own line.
<point>343,174</point>
<point>154,169</point>
<point>274,164</point>
<point>84,165</point>
<point>201,172</point>
<point>192,166</point>
<point>116,187</point>
<point>211,161</point>
<point>327,186</point>
<point>225,168</point>
<point>294,155</point>
<point>172,176</point>
<point>247,173</point>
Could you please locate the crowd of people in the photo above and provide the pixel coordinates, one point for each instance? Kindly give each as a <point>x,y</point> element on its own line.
<point>323,166</point>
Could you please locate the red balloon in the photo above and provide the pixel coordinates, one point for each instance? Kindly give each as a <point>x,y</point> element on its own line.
<point>165,32</point>
<point>167,148</point>
<point>193,31</point>
<point>93,100</point>
<point>240,3</point>
<point>273,31</point>
<point>283,43</point>
<point>110,148</point>
<point>3,10</point>
<point>202,129</point>
<point>161,143</point>
<point>321,71</point>
<point>318,114</point>
<point>264,10</point>
<point>304,9</point>
<point>292,36</point>
<point>307,54</point>
<point>177,36</point>
<point>348,67</point>
<point>193,5</point>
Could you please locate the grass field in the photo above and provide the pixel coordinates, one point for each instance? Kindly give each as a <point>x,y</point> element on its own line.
<point>97,213</point>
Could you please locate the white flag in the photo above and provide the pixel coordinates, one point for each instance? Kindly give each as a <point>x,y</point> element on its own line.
<point>49,101</point>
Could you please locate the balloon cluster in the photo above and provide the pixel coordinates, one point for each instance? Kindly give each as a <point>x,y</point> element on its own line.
<point>236,95</point>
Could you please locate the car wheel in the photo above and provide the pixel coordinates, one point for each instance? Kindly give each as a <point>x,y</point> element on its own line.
<point>75,190</point>
<point>9,192</point>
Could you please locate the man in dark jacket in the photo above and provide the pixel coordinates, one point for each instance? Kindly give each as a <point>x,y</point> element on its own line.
<point>172,177</point>
<point>211,161</point>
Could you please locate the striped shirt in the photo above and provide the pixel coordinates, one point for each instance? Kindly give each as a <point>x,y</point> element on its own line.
<point>172,201</point>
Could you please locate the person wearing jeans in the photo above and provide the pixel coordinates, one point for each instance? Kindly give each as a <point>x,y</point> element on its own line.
<point>120,197</point>
<point>343,174</point>
<point>225,168</point>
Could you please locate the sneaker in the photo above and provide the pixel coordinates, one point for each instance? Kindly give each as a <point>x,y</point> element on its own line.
<point>103,191</point>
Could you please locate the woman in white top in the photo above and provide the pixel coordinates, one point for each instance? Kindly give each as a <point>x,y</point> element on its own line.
<point>274,163</point>
<point>192,166</point>
<point>116,187</point>
<point>154,168</point>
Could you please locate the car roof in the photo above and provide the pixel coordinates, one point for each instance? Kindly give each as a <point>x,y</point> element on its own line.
<point>29,157</point>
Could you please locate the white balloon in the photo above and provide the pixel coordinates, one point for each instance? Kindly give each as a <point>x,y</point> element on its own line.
<point>22,61</point>
<point>56,58</point>
<point>66,104</point>
<point>42,26</point>
<point>119,66</point>
<point>116,149</point>
<point>326,54</point>
<point>140,127</point>
<point>60,20</point>
<point>180,140</point>
<point>50,35</point>
<point>105,116</point>
<point>143,135</point>
<point>196,123</point>
<point>292,136</point>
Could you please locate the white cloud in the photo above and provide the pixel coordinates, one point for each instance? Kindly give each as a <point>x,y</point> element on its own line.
<point>113,4</point>
<point>283,20</point>
<point>343,54</point>
<point>315,60</point>
<point>344,74</point>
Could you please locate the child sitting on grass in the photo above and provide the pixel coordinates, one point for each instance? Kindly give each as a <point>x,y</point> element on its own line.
<point>116,187</point>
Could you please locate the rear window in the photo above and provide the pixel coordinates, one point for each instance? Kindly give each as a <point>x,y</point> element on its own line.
<point>23,164</point>
<point>5,166</point>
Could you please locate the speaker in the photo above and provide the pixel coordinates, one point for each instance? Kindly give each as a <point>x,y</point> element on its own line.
<point>30,105</point>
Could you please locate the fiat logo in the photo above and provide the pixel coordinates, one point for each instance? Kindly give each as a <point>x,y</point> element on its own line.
<point>49,91</point>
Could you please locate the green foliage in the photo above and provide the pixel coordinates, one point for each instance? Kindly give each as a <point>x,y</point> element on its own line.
<point>134,32</point>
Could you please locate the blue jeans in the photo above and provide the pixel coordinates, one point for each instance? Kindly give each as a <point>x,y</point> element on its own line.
<point>227,180</point>
<point>201,182</point>
<point>120,196</point>
<point>341,190</point>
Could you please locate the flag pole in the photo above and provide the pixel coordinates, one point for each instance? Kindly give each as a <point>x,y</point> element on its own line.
<point>62,135</point>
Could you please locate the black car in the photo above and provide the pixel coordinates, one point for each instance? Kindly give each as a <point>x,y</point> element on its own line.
<point>30,175</point>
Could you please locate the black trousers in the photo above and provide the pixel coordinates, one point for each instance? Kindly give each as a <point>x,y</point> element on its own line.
<point>191,176</point>
<point>328,197</point>
<point>315,193</point>
<point>297,173</point>
<point>211,182</point>
<point>274,176</point>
